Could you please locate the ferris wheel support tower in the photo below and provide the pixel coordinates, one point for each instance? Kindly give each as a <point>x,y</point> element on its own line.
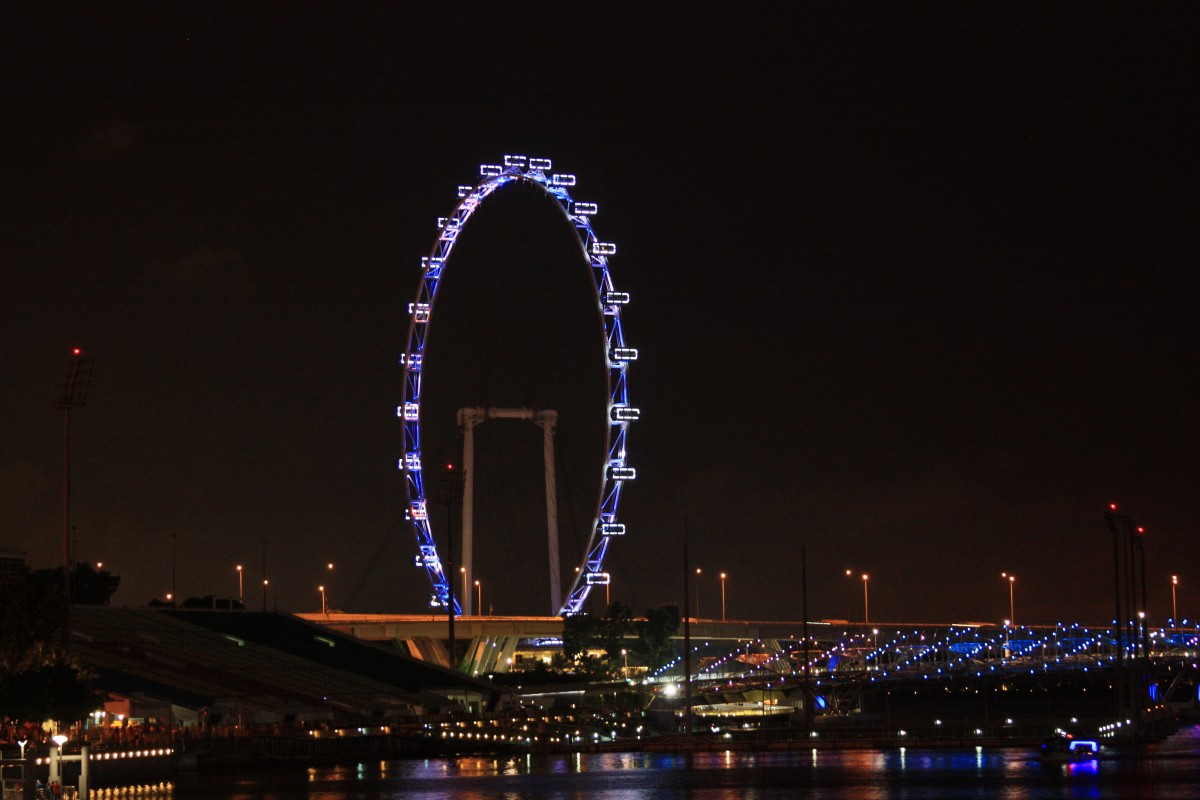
<point>468,418</point>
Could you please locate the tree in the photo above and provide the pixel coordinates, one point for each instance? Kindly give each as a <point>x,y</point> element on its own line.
<point>91,587</point>
<point>584,634</point>
<point>654,634</point>
<point>38,679</point>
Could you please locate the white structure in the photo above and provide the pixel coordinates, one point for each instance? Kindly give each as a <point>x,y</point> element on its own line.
<point>468,418</point>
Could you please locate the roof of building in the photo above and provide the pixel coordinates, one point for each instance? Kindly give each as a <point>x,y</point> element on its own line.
<point>258,662</point>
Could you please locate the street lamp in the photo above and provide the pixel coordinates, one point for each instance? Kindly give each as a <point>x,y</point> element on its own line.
<point>324,606</point>
<point>722,597</point>
<point>1174,610</point>
<point>329,574</point>
<point>1011,580</point>
<point>241,595</point>
<point>479,597</point>
<point>466,595</point>
<point>625,658</point>
<point>866,603</point>
<point>698,572</point>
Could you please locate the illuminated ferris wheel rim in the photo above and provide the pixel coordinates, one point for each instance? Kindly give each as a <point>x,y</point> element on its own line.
<point>596,253</point>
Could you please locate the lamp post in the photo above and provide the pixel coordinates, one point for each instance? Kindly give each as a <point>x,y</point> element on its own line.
<point>241,595</point>
<point>324,605</point>
<point>698,572</point>
<point>55,775</point>
<point>625,658</point>
<point>266,583</point>
<point>723,596</point>
<point>329,576</point>
<point>866,599</point>
<point>73,395</point>
<point>1174,609</point>
<point>479,596</point>
<point>450,494</point>
<point>1012,579</point>
<point>466,594</point>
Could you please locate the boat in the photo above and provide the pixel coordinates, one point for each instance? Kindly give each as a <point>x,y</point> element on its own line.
<point>1066,748</point>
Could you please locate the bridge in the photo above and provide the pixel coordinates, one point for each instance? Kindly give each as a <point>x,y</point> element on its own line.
<point>737,649</point>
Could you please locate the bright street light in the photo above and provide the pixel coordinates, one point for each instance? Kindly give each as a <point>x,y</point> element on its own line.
<point>723,597</point>
<point>324,605</point>
<point>1174,610</point>
<point>1011,580</point>
<point>866,598</point>
<point>479,597</point>
<point>241,596</point>
<point>466,595</point>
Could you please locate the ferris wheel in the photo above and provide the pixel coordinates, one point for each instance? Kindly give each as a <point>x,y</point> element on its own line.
<point>617,357</point>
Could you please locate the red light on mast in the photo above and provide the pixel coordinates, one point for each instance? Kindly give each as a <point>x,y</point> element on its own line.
<point>1112,506</point>
<point>76,351</point>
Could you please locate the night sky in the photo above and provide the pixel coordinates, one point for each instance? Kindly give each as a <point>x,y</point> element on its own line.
<point>917,292</point>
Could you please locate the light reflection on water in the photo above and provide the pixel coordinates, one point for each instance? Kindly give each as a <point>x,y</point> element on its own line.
<point>908,773</point>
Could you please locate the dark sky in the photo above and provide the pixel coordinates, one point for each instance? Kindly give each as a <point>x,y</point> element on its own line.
<point>917,292</point>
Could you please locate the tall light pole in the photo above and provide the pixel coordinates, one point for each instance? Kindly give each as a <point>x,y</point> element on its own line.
<point>866,600</point>
<point>324,605</point>
<point>698,572</point>
<point>723,576</point>
<point>1012,579</point>
<point>450,494</point>
<point>465,592</point>
<point>241,594</point>
<point>329,576</point>
<point>1174,609</point>
<point>479,598</point>
<point>73,395</point>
